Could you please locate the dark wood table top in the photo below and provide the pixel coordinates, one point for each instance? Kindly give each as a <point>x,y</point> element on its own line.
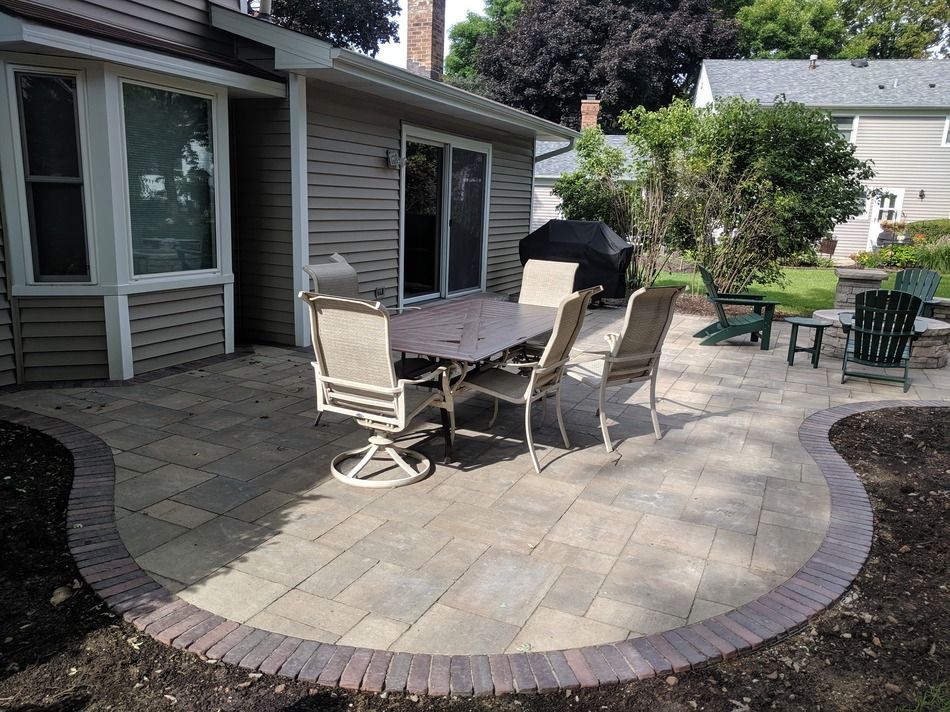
<point>468,330</point>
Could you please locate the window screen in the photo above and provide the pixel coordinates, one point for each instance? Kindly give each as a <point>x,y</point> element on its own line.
<point>171,180</point>
<point>53,177</point>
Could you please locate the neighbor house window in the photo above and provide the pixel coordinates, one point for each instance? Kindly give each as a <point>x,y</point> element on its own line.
<point>52,171</point>
<point>170,158</point>
<point>845,126</point>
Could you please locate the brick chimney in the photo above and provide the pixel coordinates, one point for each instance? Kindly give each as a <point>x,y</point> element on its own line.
<point>590,108</point>
<point>425,48</point>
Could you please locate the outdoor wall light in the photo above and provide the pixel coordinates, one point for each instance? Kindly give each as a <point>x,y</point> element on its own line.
<point>393,159</point>
<point>921,194</point>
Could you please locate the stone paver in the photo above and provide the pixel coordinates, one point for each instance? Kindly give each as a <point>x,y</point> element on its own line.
<point>218,467</point>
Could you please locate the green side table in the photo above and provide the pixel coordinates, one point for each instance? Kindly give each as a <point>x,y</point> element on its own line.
<point>819,325</point>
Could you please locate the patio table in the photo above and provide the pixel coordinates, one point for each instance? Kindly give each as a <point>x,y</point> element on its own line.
<point>468,330</point>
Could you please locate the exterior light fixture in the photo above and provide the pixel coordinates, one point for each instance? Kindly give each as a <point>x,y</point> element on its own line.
<point>921,194</point>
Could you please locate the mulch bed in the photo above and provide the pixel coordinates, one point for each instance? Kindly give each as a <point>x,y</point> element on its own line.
<point>879,648</point>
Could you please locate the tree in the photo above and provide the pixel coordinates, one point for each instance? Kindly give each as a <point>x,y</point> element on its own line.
<point>634,52</point>
<point>358,24</point>
<point>896,29</point>
<point>790,29</point>
<point>465,35</point>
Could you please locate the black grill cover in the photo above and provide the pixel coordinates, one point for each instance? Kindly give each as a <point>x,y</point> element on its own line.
<point>602,254</point>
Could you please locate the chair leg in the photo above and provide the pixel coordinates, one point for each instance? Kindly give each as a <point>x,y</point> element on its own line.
<point>529,438</point>
<point>602,415</point>
<point>653,413</point>
<point>316,421</point>
<point>560,419</point>
<point>494,415</point>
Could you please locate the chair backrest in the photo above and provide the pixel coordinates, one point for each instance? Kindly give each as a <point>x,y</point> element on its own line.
<point>883,326</point>
<point>545,283</point>
<point>351,344</point>
<point>713,293</point>
<point>336,278</point>
<point>921,283</point>
<point>647,321</point>
<point>567,325</point>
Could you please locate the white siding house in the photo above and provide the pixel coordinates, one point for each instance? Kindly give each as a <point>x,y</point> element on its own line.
<point>895,112</point>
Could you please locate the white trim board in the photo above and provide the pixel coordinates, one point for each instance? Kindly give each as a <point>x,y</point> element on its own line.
<point>299,202</point>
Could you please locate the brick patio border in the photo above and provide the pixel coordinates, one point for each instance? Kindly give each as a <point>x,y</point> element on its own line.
<point>114,575</point>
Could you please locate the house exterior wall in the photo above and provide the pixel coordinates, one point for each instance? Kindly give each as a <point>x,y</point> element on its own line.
<point>176,326</point>
<point>907,154</point>
<point>180,26</point>
<point>263,255</point>
<point>63,338</point>
<point>7,352</point>
<point>544,204</point>
<point>354,197</point>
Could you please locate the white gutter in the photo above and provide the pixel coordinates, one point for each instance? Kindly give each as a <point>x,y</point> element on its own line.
<point>556,151</point>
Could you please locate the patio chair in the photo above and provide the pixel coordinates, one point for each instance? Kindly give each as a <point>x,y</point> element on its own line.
<point>879,334</point>
<point>544,375</point>
<point>633,355</point>
<point>726,326</point>
<point>545,283</point>
<point>356,377</point>
<point>921,283</point>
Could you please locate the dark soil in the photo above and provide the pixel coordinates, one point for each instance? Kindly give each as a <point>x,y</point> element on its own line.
<point>879,648</point>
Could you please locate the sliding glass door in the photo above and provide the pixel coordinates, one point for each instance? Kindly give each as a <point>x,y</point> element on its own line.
<point>445,194</point>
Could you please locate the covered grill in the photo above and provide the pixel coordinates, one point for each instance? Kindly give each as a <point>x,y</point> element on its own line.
<point>602,254</point>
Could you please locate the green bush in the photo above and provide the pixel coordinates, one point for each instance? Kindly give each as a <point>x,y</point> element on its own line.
<point>931,230</point>
<point>899,256</point>
<point>807,258</point>
<point>935,255</point>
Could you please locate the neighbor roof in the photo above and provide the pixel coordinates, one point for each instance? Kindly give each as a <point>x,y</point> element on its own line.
<point>567,162</point>
<point>884,83</point>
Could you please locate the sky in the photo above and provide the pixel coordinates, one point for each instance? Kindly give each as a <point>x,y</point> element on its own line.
<point>455,11</point>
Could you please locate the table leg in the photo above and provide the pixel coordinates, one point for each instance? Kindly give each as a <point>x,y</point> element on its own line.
<point>447,434</point>
<point>792,341</point>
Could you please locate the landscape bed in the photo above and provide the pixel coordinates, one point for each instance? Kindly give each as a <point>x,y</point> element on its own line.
<point>882,647</point>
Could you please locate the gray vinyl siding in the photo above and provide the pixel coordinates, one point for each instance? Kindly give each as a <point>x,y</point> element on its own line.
<point>544,204</point>
<point>7,356</point>
<point>354,195</point>
<point>182,26</point>
<point>262,197</point>
<point>907,154</point>
<point>63,338</point>
<point>177,326</point>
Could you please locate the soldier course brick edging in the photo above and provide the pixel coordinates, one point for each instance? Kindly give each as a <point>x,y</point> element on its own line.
<point>113,574</point>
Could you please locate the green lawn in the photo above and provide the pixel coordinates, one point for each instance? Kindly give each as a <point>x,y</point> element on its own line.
<point>806,291</point>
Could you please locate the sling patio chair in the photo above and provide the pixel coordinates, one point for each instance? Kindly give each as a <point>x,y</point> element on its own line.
<point>727,326</point>
<point>633,355</point>
<point>921,283</point>
<point>543,377</point>
<point>356,377</point>
<point>544,283</point>
<point>879,334</point>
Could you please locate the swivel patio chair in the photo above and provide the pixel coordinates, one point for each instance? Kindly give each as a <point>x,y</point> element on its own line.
<point>545,283</point>
<point>880,334</point>
<point>921,283</point>
<point>356,377</point>
<point>726,326</point>
<point>633,355</point>
<point>544,375</point>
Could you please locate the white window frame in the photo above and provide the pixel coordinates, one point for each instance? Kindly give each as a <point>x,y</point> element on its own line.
<point>213,97</point>
<point>448,141</point>
<point>853,139</point>
<point>17,207</point>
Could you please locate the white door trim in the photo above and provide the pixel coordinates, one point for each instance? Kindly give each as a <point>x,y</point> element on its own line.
<point>874,208</point>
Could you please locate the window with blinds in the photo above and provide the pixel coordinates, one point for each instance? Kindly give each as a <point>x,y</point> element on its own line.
<point>52,173</point>
<point>170,158</point>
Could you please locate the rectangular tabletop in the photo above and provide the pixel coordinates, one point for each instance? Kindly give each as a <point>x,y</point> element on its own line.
<point>468,329</point>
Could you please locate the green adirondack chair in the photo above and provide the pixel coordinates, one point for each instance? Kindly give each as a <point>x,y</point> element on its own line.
<point>759,322</point>
<point>879,334</point>
<point>921,283</point>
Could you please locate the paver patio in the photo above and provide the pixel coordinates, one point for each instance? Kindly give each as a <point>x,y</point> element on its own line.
<point>223,494</point>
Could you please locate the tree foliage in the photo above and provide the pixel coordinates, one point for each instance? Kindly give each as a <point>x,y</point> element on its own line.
<point>896,29</point>
<point>357,24</point>
<point>633,52</point>
<point>790,29</point>
<point>464,37</point>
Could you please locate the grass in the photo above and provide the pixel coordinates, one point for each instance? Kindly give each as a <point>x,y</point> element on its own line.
<point>806,290</point>
<point>935,699</point>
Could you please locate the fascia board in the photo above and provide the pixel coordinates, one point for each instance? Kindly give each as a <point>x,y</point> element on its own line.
<point>299,51</point>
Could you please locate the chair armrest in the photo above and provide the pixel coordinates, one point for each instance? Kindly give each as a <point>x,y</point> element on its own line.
<point>740,296</point>
<point>429,377</point>
<point>745,302</point>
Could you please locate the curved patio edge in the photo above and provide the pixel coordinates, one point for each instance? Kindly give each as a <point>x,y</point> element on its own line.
<point>114,575</point>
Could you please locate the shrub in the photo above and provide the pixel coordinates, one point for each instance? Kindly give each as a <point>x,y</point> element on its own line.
<point>935,255</point>
<point>931,230</point>
<point>807,258</point>
<point>899,256</point>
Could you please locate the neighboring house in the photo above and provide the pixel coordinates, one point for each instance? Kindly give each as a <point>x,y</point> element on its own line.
<point>895,112</point>
<point>544,204</point>
<point>167,168</point>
